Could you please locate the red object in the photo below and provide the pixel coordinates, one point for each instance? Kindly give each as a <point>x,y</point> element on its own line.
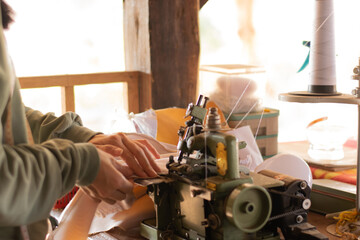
<point>63,202</point>
<point>346,176</point>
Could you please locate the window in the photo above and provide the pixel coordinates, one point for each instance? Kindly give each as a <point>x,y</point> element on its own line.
<point>51,37</point>
<point>280,27</point>
<point>84,36</point>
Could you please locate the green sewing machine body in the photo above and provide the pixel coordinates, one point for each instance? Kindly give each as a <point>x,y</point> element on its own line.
<point>206,195</point>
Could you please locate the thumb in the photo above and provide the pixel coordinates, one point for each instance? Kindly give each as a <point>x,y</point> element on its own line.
<point>124,185</point>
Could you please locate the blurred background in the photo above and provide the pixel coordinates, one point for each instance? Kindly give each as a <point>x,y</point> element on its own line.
<point>86,36</point>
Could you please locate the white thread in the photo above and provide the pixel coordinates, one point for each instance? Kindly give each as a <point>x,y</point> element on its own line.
<point>237,125</point>
<point>322,56</point>
<point>261,117</point>
<point>237,102</point>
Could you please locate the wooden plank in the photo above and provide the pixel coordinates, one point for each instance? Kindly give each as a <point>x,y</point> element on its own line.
<point>43,81</point>
<point>133,96</point>
<point>172,30</point>
<point>67,99</point>
<point>145,101</point>
<point>137,36</point>
<point>202,3</point>
<point>174,47</point>
<point>99,78</point>
<point>77,79</point>
<point>138,92</point>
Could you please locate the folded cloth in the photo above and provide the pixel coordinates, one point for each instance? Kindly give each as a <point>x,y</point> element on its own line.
<point>346,176</point>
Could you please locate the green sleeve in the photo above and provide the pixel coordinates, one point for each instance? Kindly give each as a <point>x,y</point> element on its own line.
<point>33,176</point>
<point>47,126</point>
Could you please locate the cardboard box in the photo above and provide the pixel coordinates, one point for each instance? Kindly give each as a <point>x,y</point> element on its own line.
<point>264,126</point>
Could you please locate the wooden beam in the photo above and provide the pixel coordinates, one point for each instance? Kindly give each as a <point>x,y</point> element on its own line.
<point>171,32</point>
<point>67,99</point>
<point>202,3</point>
<point>136,35</point>
<point>133,96</point>
<point>77,79</point>
<point>138,87</point>
<point>145,101</point>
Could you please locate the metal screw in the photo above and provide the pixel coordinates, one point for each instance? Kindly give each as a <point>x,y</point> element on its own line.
<point>303,185</point>
<point>299,219</point>
<point>356,70</point>
<point>356,92</point>
<point>306,204</point>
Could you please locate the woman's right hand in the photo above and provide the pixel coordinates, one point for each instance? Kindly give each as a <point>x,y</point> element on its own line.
<point>110,183</point>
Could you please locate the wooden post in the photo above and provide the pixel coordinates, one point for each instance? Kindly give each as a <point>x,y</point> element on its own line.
<point>145,101</point>
<point>202,3</point>
<point>162,38</point>
<point>67,99</point>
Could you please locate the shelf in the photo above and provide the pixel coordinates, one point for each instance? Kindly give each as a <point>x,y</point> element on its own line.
<point>306,97</point>
<point>302,97</point>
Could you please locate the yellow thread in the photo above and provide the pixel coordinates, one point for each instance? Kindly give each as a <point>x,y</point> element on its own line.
<point>211,186</point>
<point>346,217</point>
<point>221,157</point>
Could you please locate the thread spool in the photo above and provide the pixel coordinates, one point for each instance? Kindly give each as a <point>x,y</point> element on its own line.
<point>322,56</point>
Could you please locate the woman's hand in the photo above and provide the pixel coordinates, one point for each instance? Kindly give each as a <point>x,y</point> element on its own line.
<point>139,155</point>
<point>111,182</point>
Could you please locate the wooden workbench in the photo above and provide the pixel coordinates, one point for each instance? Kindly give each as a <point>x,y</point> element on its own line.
<point>321,224</point>
<point>315,219</point>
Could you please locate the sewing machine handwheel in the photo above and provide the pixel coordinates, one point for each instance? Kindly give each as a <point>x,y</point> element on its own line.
<point>248,207</point>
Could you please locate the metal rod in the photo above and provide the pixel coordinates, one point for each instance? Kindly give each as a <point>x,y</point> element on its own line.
<point>358,166</point>
<point>356,77</point>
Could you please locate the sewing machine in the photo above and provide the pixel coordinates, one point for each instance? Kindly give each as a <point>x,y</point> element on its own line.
<point>207,195</point>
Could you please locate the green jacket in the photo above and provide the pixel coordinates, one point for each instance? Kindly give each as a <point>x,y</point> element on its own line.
<point>34,175</point>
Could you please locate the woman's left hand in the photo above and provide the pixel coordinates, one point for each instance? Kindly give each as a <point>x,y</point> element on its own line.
<point>139,155</point>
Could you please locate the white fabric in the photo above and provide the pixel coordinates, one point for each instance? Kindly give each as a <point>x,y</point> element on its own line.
<point>288,164</point>
<point>249,156</point>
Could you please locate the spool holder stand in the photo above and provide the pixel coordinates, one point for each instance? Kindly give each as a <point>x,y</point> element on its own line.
<point>340,98</point>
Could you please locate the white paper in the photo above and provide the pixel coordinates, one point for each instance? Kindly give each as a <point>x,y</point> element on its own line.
<point>249,156</point>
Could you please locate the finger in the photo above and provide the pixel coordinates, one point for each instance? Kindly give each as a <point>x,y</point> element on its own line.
<point>123,185</point>
<point>124,169</point>
<point>150,147</point>
<point>149,157</point>
<point>111,149</point>
<point>134,165</point>
<point>105,139</point>
<point>140,156</point>
<point>142,160</point>
<point>139,164</point>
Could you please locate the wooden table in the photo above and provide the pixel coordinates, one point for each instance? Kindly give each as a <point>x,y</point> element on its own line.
<point>315,219</point>
<point>321,224</point>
